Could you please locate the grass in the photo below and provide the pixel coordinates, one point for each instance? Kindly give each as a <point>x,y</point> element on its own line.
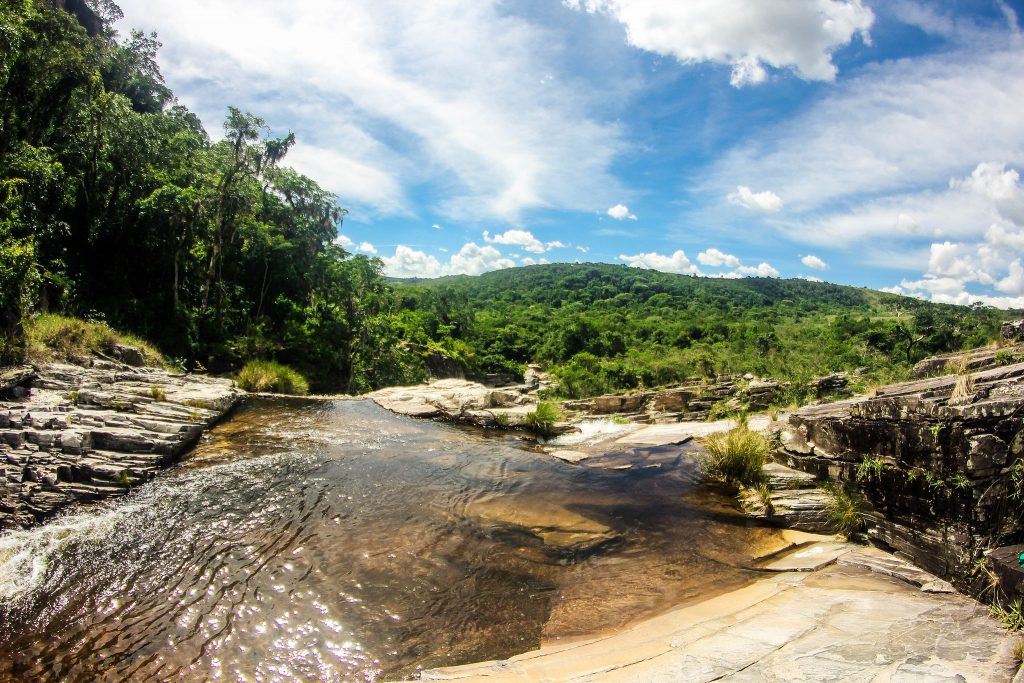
<point>542,420</point>
<point>50,336</point>
<point>158,393</point>
<point>1011,615</point>
<point>736,456</point>
<point>845,509</point>
<point>1018,650</point>
<point>275,378</point>
<point>963,388</point>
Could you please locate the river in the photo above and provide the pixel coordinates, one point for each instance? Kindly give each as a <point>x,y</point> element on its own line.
<point>326,541</point>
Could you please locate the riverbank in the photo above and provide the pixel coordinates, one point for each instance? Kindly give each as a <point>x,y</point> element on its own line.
<point>857,615</point>
<point>75,434</point>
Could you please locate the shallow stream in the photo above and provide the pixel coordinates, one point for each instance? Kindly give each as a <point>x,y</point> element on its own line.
<point>324,541</point>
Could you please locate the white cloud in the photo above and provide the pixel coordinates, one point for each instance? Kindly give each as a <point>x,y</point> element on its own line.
<point>435,226</point>
<point>471,259</point>
<point>809,278</point>
<point>583,250</point>
<point>715,258</point>
<point>812,261</point>
<point>621,212</point>
<point>762,202</point>
<point>1013,283</point>
<point>746,34</point>
<point>431,92</point>
<point>343,241</point>
<point>555,245</point>
<point>762,269</point>
<point>367,248</point>
<point>676,263</point>
<point>516,238</point>
<point>409,262</point>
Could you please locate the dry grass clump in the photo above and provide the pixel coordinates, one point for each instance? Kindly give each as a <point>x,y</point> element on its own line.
<point>963,388</point>
<point>50,336</point>
<point>736,456</point>
<point>268,376</point>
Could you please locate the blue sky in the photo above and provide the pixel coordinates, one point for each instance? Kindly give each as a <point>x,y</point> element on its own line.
<point>861,142</point>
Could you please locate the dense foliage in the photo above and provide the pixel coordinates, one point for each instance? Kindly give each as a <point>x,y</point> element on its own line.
<point>609,328</point>
<point>115,204</point>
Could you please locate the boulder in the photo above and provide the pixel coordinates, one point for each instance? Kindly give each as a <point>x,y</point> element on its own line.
<point>1013,330</point>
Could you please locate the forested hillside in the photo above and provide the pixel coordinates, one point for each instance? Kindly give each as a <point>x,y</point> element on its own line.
<point>116,205</point>
<point>607,327</point>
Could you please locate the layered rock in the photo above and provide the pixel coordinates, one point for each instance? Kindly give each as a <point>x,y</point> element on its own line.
<point>71,434</point>
<point>462,401</point>
<point>934,458</point>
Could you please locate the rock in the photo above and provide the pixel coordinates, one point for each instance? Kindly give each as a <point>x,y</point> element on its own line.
<point>439,364</point>
<point>14,381</point>
<point>560,529</point>
<point>86,431</point>
<point>1012,330</point>
<point>831,385</point>
<point>129,355</point>
<point>1005,563</point>
<point>936,472</point>
<point>459,401</point>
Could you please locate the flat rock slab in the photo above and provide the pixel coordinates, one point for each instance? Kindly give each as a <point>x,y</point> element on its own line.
<point>807,558</point>
<point>884,563</point>
<point>681,432</point>
<point>459,400</point>
<point>842,623</point>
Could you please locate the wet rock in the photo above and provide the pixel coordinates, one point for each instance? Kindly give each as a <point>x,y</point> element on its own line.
<point>559,528</point>
<point>86,433</point>
<point>459,401</point>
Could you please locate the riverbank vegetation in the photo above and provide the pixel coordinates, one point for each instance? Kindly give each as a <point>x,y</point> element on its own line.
<point>119,208</point>
<point>268,376</point>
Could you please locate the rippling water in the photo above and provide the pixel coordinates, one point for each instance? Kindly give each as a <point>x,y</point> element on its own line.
<point>323,541</point>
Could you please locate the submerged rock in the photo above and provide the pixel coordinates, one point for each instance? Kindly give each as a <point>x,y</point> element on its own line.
<point>560,529</point>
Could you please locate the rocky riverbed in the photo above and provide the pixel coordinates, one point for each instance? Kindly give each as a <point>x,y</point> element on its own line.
<point>73,434</point>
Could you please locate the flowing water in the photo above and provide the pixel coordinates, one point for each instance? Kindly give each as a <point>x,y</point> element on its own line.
<point>323,541</point>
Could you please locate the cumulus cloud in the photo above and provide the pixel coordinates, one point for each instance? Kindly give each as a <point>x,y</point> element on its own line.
<point>762,269</point>
<point>621,212</point>
<point>809,278</point>
<point>762,202</point>
<point>343,241</point>
<point>814,262</point>
<point>471,259</point>
<point>516,238</point>
<point>676,263</point>
<point>715,258</point>
<point>367,248</point>
<point>555,245</point>
<point>749,35</point>
<point>401,107</point>
<point>583,250</point>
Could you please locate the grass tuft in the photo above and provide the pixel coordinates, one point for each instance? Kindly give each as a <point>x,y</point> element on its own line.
<point>50,336</point>
<point>736,456</point>
<point>268,376</point>
<point>846,509</point>
<point>1011,615</point>
<point>542,420</point>
<point>963,388</point>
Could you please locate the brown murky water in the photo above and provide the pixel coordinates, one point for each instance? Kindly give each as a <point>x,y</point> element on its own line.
<point>334,541</point>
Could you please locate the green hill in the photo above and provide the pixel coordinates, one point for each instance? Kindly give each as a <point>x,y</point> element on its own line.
<point>605,327</point>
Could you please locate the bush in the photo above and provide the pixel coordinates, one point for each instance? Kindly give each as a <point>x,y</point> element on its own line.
<point>846,509</point>
<point>542,420</point>
<point>49,336</point>
<point>736,456</point>
<point>268,376</point>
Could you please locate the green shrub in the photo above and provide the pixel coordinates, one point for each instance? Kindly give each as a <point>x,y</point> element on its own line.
<point>51,336</point>
<point>737,456</point>
<point>846,509</point>
<point>542,420</point>
<point>268,376</point>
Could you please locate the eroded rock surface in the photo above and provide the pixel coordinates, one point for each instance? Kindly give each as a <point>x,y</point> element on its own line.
<point>934,460</point>
<point>82,434</point>
<point>844,622</point>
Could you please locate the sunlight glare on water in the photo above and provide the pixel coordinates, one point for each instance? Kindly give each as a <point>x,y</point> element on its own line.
<point>327,541</point>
